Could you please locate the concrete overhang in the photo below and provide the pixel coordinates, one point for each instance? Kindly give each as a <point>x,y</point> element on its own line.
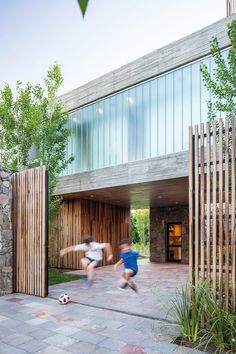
<point>159,181</point>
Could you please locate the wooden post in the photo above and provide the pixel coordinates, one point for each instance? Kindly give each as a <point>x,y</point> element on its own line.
<point>196,206</point>
<point>233,239</point>
<point>208,220</point>
<point>220,208</point>
<point>191,202</point>
<point>226,212</point>
<point>214,219</point>
<point>202,202</point>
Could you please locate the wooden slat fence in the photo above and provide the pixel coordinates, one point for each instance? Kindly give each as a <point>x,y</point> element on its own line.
<point>29,190</point>
<point>212,207</point>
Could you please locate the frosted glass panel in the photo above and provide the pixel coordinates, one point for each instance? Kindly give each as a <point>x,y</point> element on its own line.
<point>148,120</point>
<point>169,114</point>
<point>161,106</point>
<point>153,118</point>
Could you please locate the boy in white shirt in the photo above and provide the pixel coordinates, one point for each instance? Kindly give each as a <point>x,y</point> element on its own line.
<point>93,255</point>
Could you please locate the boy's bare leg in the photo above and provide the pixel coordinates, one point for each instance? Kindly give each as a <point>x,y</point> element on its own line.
<point>126,281</point>
<point>125,278</point>
<point>90,270</point>
<point>84,263</point>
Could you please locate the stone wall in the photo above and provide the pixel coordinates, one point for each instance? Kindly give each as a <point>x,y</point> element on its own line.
<point>159,218</point>
<point>6,277</point>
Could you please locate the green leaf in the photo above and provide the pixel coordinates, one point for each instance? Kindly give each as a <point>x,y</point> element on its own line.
<point>83,5</point>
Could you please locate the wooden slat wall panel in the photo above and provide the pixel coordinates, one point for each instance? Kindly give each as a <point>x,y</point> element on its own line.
<point>78,217</point>
<point>29,190</point>
<point>212,201</point>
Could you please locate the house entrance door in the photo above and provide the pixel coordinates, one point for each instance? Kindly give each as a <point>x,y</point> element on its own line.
<point>174,242</point>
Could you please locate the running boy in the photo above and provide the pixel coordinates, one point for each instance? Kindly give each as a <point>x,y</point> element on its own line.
<point>93,255</point>
<point>129,258</point>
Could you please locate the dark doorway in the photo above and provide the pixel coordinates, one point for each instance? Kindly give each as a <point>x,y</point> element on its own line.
<point>174,242</point>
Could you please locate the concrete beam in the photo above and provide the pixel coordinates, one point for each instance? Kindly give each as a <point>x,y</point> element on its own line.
<point>155,169</point>
<point>183,51</point>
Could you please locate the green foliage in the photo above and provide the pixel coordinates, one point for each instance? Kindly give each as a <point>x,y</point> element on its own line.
<point>187,312</point>
<point>222,83</point>
<point>83,4</point>
<point>33,129</point>
<point>57,277</point>
<point>143,249</point>
<point>133,229</point>
<point>140,226</point>
<point>218,325</point>
<point>203,319</point>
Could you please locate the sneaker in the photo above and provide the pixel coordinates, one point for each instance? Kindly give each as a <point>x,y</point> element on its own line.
<point>85,279</point>
<point>89,283</point>
<point>123,288</point>
<point>133,286</point>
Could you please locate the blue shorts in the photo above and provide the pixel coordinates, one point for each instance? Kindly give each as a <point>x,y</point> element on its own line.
<point>134,272</point>
<point>93,260</point>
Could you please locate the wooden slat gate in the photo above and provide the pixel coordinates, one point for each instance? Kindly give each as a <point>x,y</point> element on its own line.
<point>29,189</point>
<point>212,207</point>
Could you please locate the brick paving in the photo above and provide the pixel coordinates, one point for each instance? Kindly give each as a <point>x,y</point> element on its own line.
<point>157,284</point>
<point>99,320</point>
<point>30,324</point>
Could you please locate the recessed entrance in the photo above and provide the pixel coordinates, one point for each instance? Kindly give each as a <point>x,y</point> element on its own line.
<point>174,242</point>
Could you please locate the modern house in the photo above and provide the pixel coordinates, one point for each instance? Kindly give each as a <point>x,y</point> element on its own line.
<point>130,142</point>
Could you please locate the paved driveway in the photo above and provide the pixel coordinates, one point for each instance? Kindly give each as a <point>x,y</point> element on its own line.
<point>30,324</point>
<point>157,284</point>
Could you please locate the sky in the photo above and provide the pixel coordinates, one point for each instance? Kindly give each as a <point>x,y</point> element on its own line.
<point>35,34</point>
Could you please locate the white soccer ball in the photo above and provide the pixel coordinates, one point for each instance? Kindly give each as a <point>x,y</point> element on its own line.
<point>64,299</point>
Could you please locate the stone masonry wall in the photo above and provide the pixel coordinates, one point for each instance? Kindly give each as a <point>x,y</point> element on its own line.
<point>159,218</point>
<point>6,270</point>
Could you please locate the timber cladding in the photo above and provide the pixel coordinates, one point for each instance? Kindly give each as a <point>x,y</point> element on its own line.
<point>29,194</point>
<point>78,217</point>
<point>212,216</point>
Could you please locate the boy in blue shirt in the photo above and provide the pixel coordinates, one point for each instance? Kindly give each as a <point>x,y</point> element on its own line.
<point>129,258</point>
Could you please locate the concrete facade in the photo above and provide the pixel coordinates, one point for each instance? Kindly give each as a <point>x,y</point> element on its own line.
<point>169,57</point>
<point>159,218</point>
<point>142,171</point>
<point>172,56</point>
<point>159,182</point>
<point>6,270</point>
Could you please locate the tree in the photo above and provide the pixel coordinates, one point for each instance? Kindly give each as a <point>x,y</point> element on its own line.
<point>133,229</point>
<point>142,225</point>
<point>34,121</point>
<point>222,83</point>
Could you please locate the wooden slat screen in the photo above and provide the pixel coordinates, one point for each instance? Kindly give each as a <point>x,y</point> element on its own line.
<point>212,207</point>
<point>78,217</point>
<point>29,189</point>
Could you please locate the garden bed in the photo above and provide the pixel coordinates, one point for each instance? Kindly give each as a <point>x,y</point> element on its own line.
<point>182,341</point>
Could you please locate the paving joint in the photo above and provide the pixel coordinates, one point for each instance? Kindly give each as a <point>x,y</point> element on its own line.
<point>120,311</point>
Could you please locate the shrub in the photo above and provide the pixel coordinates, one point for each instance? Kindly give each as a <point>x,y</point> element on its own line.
<point>187,309</point>
<point>219,325</point>
<point>204,320</point>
